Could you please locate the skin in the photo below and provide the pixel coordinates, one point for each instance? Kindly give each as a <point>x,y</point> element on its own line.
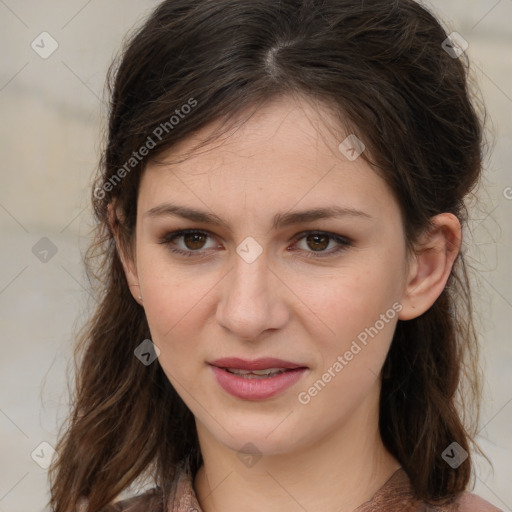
<point>326,454</point>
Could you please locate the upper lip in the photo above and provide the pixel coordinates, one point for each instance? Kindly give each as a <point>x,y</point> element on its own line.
<point>256,364</point>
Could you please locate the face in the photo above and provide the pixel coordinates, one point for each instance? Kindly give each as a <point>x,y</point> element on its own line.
<point>251,279</point>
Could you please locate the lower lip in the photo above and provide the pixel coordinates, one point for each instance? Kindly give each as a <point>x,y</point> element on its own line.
<point>256,388</point>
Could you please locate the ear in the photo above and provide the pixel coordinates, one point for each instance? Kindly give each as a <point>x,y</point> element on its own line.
<point>431,265</point>
<point>115,216</point>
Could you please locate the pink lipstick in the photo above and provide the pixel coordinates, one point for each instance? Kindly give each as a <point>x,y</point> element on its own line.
<point>258,379</point>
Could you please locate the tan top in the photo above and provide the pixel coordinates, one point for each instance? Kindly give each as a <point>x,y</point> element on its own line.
<point>394,496</point>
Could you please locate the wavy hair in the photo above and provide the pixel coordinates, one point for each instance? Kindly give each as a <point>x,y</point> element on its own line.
<point>382,68</point>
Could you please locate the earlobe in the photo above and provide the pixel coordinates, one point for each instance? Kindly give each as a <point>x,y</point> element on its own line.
<point>127,262</point>
<point>431,265</point>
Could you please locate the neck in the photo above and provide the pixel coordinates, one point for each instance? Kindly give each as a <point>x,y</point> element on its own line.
<point>337,473</point>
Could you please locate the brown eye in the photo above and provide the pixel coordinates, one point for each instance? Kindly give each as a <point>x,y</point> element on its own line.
<point>194,241</point>
<point>314,243</point>
<point>188,243</point>
<point>318,242</point>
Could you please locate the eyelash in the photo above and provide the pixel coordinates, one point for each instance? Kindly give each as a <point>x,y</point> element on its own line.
<point>344,243</point>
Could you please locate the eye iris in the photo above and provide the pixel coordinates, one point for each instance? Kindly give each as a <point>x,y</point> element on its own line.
<point>315,238</point>
<point>194,236</point>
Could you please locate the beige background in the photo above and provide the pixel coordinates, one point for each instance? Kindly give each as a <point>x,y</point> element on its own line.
<point>52,118</point>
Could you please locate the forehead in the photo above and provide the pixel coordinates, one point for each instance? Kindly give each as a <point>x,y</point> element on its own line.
<point>285,153</point>
<point>261,124</point>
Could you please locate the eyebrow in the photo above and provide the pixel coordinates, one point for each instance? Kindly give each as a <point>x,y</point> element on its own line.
<point>280,220</point>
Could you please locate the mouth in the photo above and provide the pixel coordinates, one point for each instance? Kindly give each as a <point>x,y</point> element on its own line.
<point>257,379</point>
<point>257,374</point>
<point>262,367</point>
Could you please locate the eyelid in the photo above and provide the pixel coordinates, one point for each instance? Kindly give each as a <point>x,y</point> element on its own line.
<point>342,241</point>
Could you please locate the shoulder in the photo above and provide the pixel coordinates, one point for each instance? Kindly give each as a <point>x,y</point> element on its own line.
<point>181,496</point>
<point>150,501</point>
<point>398,495</point>
<point>468,502</point>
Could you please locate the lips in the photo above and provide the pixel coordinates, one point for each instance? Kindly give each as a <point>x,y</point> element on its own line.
<point>254,374</point>
<point>259,379</point>
<point>263,363</point>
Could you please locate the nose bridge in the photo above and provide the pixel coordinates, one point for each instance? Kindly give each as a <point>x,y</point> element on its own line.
<point>249,304</point>
<point>248,284</point>
<point>250,273</point>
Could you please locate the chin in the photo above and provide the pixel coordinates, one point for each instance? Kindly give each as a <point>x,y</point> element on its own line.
<point>254,434</point>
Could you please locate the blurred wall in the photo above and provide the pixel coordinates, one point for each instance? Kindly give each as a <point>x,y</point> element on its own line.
<point>54,59</point>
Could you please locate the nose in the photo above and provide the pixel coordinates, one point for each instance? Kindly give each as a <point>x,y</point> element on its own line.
<point>251,300</point>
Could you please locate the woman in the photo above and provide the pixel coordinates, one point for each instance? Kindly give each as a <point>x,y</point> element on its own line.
<point>285,317</point>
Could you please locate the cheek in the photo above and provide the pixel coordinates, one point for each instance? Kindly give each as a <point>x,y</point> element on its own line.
<point>174,307</point>
<point>350,355</point>
<point>358,310</point>
<point>352,298</point>
<point>172,292</point>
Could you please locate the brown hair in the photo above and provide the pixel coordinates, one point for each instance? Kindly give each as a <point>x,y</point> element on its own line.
<point>379,65</point>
